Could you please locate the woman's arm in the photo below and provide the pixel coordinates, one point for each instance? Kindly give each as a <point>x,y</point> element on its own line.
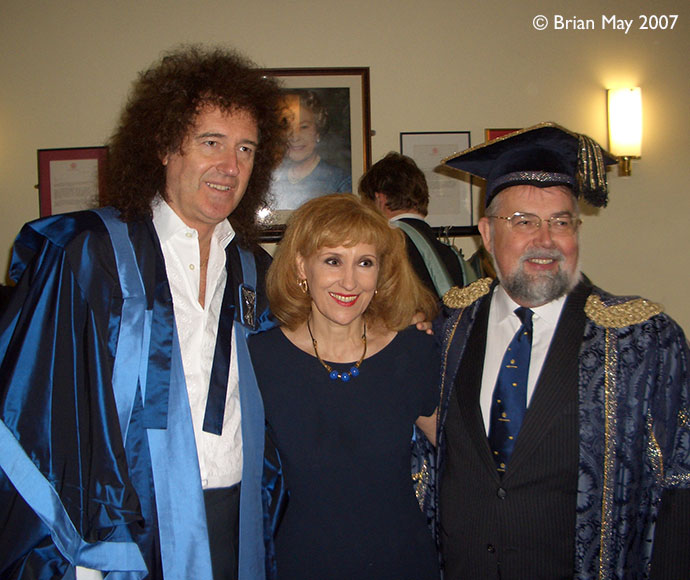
<point>428,426</point>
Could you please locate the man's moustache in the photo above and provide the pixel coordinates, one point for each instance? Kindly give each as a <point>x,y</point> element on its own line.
<point>548,254</point>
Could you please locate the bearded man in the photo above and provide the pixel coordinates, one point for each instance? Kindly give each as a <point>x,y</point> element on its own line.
<point>564,438</point>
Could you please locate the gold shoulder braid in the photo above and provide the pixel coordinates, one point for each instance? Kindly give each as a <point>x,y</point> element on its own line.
<point>634,311</point>
<point>463,297</point>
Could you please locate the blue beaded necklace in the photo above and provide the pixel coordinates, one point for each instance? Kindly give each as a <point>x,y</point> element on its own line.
<point>334,374</point>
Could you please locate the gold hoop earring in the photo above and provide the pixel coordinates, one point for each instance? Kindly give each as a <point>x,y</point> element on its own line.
<point>303,286</point>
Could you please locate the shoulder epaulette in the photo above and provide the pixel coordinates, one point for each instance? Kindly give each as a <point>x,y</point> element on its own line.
<point>620,314</point>
<point>463,297</point>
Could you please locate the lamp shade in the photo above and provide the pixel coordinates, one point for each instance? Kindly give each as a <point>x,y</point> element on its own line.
<point>625,121</point>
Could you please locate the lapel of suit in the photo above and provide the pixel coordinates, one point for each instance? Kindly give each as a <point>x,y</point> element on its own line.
<point>469,382</point>
<point>558,381</point>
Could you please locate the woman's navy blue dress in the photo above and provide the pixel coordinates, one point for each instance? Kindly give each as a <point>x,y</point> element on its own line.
<point>345,453</point>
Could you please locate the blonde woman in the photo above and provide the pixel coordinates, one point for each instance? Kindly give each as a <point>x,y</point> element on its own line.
<point>344,380</point>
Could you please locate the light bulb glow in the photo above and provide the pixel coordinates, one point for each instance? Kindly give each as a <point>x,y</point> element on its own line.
<point>625,122</point>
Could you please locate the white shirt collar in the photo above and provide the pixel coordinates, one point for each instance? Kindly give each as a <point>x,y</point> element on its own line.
<point>169,224</point>
<point>505,307</point>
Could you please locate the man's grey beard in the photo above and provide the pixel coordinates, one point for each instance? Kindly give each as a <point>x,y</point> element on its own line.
<point>538,289</point>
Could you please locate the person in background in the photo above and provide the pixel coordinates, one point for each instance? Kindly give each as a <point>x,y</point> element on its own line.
<point>303,174</point>
<point>569,455</point>
<point>129,409</point>
<point>399,190</point>
<point>344,379</point>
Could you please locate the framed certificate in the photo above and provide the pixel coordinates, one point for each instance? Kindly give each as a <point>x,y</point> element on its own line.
<point>70,179</point>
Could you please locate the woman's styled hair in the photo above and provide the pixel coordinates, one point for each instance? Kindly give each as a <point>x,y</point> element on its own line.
<point>161,111</point>
<point>345,220</point>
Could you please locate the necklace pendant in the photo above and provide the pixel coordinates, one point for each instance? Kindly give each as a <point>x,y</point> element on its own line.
<point>332,373</point>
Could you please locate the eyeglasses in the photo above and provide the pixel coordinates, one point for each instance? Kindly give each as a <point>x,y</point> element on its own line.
<point>528,223</point>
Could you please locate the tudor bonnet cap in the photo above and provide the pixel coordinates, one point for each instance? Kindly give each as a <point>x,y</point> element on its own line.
<point>544,155</point>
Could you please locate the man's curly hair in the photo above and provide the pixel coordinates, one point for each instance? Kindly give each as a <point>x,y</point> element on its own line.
<point>162,109</point>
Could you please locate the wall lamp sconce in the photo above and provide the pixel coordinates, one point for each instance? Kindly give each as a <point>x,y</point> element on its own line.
<point>625,126</point>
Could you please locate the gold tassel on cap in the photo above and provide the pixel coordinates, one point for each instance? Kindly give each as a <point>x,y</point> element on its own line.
<point>591,172</point>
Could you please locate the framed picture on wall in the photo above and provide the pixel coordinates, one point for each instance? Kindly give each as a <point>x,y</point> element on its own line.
<point>450,196</point>
<point>70,179</point>
<point>327,116</point>
<point>490,134</point>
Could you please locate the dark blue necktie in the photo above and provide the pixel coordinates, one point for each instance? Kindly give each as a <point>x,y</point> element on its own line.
<point>510,395</point>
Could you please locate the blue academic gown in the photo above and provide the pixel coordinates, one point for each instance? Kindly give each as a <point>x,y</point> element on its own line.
<point>99,465</point>
<point>633,391</point>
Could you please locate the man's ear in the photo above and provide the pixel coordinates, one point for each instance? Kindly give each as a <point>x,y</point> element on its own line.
<point>485,231</point>
<point>381,201</point>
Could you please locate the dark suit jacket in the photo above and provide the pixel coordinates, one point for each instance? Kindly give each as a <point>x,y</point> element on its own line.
<point>539,520</point>
<point>519,525</point>
<point>449,258</point>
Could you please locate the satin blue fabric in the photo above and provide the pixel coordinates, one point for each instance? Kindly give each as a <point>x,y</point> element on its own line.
<point>179,498</point>
<point>44,500</point>
<point>252,552</point>
<point>56,411</point>
<point>275,497</point>
<point>251,560</point>
<point>155,390</point>
<point>75,315</point>
<point>136,324</point>
<point>218,384</point>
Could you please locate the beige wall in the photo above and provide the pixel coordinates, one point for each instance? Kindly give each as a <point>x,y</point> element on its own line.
<point>437,65</point>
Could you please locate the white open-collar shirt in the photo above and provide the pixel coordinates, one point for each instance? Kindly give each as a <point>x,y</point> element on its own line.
<point>220,456</point>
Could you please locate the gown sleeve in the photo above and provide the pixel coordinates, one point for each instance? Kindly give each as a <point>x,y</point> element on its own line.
<point>62,440</point>
<point>671,425</point>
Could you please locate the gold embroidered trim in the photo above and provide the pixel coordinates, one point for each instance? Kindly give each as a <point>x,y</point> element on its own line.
<point>464,297</point>
<point>656,457</point>
<point>421,481</point>
<point>447,341</point>
<point>610,364</point>
<point>680,479</point>
<point>508,136</point>
<point>633,311</point>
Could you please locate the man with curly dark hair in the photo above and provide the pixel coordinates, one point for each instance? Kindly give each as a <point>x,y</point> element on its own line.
<point>136,445</point>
